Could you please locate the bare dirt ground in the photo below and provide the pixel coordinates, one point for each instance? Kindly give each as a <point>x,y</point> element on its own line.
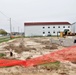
<point>63,69</point>
<point>27,48</point>
<point>30,47</point>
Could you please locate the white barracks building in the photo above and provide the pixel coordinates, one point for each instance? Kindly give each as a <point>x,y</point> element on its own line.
<point>45,28</point>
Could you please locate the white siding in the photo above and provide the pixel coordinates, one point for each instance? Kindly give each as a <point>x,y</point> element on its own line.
<point>33,31</point>
<point>37,30</point>
<point>73,29</point>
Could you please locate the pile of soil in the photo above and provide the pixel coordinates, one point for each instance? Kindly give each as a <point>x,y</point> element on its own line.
<point>51,46</point>
<point>19,49</point>
<point>47,43</point>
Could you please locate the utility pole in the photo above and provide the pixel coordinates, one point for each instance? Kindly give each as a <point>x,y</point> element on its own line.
<point>10,29</point>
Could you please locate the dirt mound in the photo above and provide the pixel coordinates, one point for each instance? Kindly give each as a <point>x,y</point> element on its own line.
<point>51,46</point>
<point>19,49</point>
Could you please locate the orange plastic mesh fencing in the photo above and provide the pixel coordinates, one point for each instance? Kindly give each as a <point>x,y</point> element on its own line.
<point>67,54</point>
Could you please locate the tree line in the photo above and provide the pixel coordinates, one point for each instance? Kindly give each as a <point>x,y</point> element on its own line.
<point>3,32</point>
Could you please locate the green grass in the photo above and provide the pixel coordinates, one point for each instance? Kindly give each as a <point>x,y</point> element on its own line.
<point>5,39</point>
<point>53,65</point>
<point>1,55</point>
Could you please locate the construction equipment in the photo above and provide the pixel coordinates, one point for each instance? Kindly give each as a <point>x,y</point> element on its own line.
<point>61,34</point>
<point>66,32</point>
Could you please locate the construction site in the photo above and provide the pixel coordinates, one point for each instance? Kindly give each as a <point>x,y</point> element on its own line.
<point>38,56</point>
<point>37,37</point>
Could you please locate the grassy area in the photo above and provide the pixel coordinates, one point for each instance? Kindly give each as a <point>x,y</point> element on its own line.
<point>1,55</point>
<point>53,65</point>
<point>5,39</point>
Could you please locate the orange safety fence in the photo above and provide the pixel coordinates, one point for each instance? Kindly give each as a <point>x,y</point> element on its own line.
<point>67,54</point>
<point>5,62</point>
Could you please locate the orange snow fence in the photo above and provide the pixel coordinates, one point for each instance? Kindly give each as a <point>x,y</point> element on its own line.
<point>5,62</point>
<point>67,54</point>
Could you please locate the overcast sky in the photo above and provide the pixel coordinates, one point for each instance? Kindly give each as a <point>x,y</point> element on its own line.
<point>21,11</point>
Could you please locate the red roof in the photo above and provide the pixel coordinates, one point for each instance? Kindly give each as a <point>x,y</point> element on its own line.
<point>46,23</point>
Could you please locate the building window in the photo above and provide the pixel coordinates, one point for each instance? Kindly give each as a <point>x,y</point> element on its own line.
<point>48,27</point>
<point>43,32</point>
<point>43,27</point>
<point>58,31</point>
<point>53,26</point>
<point>68,26</point>
<point>58,26</point>
<point>63,26</point>
<point>49,32</point>
<point>53,31</point>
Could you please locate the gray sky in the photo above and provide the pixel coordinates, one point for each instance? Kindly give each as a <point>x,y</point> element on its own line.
<point>21,11</point>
